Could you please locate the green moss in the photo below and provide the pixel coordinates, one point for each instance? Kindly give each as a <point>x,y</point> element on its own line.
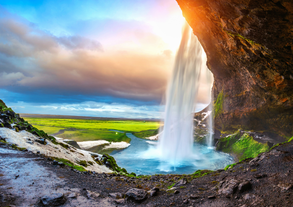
<point>253,170</point>
<point>200,173</point>
<point>218,104</point>
<point>14,146</point>
<point>70,164</point>
<point>248,147</point>
<point>83,163</point>
<point>229,166</point>
<point>90,162</point>
<point>276,145</point>
<point>242,145</point>
<point>79,168</point>
<point>169,187</point>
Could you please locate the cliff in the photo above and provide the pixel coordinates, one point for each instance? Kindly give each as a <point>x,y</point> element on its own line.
<point>249,47</point>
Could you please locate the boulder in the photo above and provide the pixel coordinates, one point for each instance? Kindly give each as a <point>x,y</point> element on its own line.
<point>136,194</point>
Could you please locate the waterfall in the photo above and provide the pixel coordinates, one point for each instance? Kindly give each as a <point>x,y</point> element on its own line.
<point>176,140</point>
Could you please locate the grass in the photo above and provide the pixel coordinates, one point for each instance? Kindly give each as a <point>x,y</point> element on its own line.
<point>200,173</point>
<point>49,129</point>
<point>85,130</point>
<point>144,134</point>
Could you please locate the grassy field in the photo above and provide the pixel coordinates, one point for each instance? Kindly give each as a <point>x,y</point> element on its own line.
<point>84,129</point>
<point>144,134</point>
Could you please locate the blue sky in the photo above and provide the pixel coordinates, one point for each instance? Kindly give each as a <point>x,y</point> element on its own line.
<point>89,58</point>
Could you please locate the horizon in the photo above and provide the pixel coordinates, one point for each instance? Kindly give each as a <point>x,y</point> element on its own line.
<point>96,58</point>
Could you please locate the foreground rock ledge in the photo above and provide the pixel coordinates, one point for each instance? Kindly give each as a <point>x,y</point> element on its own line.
<point>29,179</point>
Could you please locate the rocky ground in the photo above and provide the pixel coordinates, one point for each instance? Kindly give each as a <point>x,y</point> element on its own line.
<point>28,179</point>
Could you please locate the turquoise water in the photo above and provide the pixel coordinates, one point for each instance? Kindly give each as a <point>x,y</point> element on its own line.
<point>143,158</point>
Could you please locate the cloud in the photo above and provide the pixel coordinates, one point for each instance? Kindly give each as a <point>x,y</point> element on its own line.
<point>78,42</point>
<point>99,109</point>
<point>76,64</point>
<point>10,78</point>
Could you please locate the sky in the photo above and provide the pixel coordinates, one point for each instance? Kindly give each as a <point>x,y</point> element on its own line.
<point>88,58</point>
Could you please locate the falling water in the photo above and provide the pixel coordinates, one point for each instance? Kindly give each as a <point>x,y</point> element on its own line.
<point>209,115</point>
<point>176,140</point>
<point>176,152</point>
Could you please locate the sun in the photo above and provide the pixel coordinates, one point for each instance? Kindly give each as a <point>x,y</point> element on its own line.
<point>171,30</point>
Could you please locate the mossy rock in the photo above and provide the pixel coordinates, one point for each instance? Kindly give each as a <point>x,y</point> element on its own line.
<point>241,145</point>
<point>83,163</point>
<point>110,162</point>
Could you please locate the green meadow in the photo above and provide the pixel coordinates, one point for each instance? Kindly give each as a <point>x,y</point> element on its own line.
<point>86,130</point>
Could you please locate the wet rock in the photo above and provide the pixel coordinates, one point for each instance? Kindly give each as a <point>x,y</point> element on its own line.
<point>120,201</point>
<point>275,152</point>
<point>176,191</point>
<point>285,186</point>
<point>72,195</point>
<point>228,187</point>
<point>41,141</point>
<point>211,197</point>
<point>55,162</point>
<point>194,196</point>
<point>186,201</point>
<point>136,194</point>
<point>91,194</point>
<point>72,143</point>
<point>2,197</point>
<point>258,176</point>
<point>245,186</point>
<point>248,196</point>
<point>61,164</point>
<point>115,195</point>
<point>55,199</point>
<point>153,192</point>
<point>181,182</point>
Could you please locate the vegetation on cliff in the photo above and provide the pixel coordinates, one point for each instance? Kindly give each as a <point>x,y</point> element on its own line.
<point>218,105</point>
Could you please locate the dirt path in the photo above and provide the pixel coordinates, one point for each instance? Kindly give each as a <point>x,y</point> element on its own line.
<point>267,180</point>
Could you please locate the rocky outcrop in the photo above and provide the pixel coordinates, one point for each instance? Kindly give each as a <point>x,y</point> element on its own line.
<point>201,125</point>
<point>249,45</point>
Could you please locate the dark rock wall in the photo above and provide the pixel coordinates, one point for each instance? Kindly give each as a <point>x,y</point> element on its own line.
<point>249,46</point>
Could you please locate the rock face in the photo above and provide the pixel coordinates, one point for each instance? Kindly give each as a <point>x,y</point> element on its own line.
<point>249,45</point>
